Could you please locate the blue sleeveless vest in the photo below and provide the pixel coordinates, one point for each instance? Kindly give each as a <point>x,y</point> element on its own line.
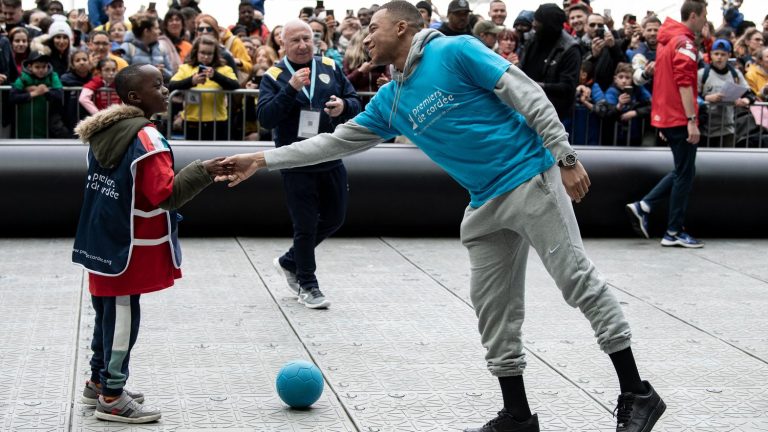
<point>105,233</point>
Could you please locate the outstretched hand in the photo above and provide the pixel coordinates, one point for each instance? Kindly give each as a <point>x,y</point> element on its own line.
<point>239,167</point>
<point>215,168</point>
<point>576,181</point>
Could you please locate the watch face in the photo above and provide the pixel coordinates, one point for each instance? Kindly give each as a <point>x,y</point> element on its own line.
<point>570,160</point>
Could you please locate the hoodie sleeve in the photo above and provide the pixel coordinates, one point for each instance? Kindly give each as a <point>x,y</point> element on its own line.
<point>519,92</point>
<point>684,64</point>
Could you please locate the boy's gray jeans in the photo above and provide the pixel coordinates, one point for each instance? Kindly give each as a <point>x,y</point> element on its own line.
<point>497,236</point>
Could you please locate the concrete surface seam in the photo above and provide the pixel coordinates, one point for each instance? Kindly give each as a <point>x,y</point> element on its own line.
<point>741,272</point>
<point>78,324</point>
<point>708,333</point>
<point>529,352</point>
<point>293,329</point>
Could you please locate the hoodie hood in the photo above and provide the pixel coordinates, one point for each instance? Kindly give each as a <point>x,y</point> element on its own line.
<point>551,17</point>
<point>110,131</point>
<point>419,42</point>
<point>672,29</point>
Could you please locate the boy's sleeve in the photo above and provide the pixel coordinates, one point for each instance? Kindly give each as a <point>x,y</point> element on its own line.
<point>18,93</point>
<point>154,177</point>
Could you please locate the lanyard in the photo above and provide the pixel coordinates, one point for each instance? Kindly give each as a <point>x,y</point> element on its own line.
<point>311,93</point>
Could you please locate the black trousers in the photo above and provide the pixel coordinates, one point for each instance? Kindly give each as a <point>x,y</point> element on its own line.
<point>317,203</point>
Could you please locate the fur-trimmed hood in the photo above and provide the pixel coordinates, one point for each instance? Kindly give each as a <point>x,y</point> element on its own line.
<point>109,132</point>
<point>40,44</point>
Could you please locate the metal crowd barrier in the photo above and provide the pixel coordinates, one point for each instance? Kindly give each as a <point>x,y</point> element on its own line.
<point>584,127</point>
<point>750,128</point>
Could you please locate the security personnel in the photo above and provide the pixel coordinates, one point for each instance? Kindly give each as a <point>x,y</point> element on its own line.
<point>300,97</point>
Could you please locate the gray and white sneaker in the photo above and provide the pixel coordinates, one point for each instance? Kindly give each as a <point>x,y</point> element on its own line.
<point>91,394</point>
<point>125,410</point>
<point>313,298</point>
<point>290,277</point>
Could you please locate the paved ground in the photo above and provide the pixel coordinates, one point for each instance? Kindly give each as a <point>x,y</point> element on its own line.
<point>399,346</point>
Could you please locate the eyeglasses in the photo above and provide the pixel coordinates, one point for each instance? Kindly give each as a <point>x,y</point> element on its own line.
<point>596,25</point>
<point>205,29</point>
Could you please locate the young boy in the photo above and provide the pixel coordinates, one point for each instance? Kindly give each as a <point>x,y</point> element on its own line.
<point>127,235</point>
<point>632,105</point>
<point>717,123</point>
<point>38,96</point>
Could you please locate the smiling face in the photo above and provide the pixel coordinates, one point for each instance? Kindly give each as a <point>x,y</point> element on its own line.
<point>174,25</point>
<point>100,45</point>
<point>577,19</point>
<point>299,47</point>
<point>245,14</point>
<point>117,32</point>
<point>151,96</point>
<point>498,12</point>
<point>20,43</point>
<point>61,42</point>
<point>382,39</point>
<point>651,33</point>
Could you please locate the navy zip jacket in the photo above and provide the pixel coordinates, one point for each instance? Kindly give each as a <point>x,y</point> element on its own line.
<point>280,105</point>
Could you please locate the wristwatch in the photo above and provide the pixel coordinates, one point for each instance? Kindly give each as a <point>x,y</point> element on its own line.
<point>569,160</point>
<point>691,118</point>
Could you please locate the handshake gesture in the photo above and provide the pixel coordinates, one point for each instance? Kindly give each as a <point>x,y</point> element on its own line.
<point>236,168</point>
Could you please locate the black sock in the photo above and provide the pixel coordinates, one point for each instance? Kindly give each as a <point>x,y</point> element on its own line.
<point>515,401</point>
<point>626,369</point>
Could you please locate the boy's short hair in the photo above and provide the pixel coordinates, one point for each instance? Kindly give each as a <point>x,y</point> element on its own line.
<point>127,80</point>
<point>623,68</point>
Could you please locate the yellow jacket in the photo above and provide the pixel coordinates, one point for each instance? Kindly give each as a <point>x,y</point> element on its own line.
<point>236,47</point>
<point>208,102</point>
<point>757,78</point>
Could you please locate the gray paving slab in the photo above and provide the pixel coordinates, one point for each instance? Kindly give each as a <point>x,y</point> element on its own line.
<point>399,345</point>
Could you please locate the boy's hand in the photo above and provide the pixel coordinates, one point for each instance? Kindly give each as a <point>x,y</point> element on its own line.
<point>242,166</point>
<point>3,78</point>
<point>215,168</point>
<point>624,99</point>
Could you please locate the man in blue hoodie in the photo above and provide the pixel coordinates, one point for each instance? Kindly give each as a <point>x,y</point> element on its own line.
<point>494,131</point>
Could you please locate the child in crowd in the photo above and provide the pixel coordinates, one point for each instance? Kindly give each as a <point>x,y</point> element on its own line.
<point>99,92</point>
<point>79,74</point>
<point>38,96</point>
<point>127,234</point>
<point>717,123</point>
<point>590,107</point>
<point>632,105</point>
<point>205,113</point>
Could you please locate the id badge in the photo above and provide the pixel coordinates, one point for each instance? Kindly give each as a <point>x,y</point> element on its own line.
<point>192,98</point>
<point>309,123</point>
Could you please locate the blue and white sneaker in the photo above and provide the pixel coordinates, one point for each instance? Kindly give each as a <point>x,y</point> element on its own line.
<point>681,239</point>
<point>638,218</point>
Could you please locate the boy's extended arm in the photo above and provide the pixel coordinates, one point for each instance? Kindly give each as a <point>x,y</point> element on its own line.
<point>187,183</point>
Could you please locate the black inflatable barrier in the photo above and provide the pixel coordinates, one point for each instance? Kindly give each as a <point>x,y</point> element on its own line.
<point>395,190</point>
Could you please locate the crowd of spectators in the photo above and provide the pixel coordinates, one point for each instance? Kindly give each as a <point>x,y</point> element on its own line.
<point>596,70</point>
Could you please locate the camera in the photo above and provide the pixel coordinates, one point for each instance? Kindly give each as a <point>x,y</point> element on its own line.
<point>256,79</point>
<point>600,32</point>
<point>316,38</point>
<point>632,19</point>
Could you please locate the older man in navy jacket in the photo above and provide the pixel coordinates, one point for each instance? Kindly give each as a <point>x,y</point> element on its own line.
<point>300,97</point>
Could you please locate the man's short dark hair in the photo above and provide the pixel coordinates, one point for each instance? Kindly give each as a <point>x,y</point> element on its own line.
<point>651,19</point>
<point>403,11</point>
<point>579,6</point>
<point>127,80</point>
<point>692,6</point>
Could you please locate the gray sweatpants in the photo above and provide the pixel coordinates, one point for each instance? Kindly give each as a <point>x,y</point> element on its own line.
<point>497,236</point>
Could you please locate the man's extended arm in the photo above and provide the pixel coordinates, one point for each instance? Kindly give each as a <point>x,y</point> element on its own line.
<point>348,139</point>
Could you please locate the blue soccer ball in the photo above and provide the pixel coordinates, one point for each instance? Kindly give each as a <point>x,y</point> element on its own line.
<point>299,383</point>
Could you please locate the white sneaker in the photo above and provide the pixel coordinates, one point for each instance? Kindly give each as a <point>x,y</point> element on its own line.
<point>290,277</point>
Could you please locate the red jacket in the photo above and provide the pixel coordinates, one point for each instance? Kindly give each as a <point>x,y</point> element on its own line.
<point>676,66</point>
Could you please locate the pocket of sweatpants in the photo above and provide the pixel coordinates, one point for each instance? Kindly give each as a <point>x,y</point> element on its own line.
<point>542,182</point>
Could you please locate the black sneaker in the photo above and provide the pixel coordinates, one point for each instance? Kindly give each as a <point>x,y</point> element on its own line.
<point>313,298</point>
<point>504,422</point>
<point>638,413</point>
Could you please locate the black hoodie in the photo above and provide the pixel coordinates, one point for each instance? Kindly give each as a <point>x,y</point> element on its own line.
<point>553,59</point>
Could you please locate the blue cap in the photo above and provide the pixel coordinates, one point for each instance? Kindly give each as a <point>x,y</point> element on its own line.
<point>721,45</point>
